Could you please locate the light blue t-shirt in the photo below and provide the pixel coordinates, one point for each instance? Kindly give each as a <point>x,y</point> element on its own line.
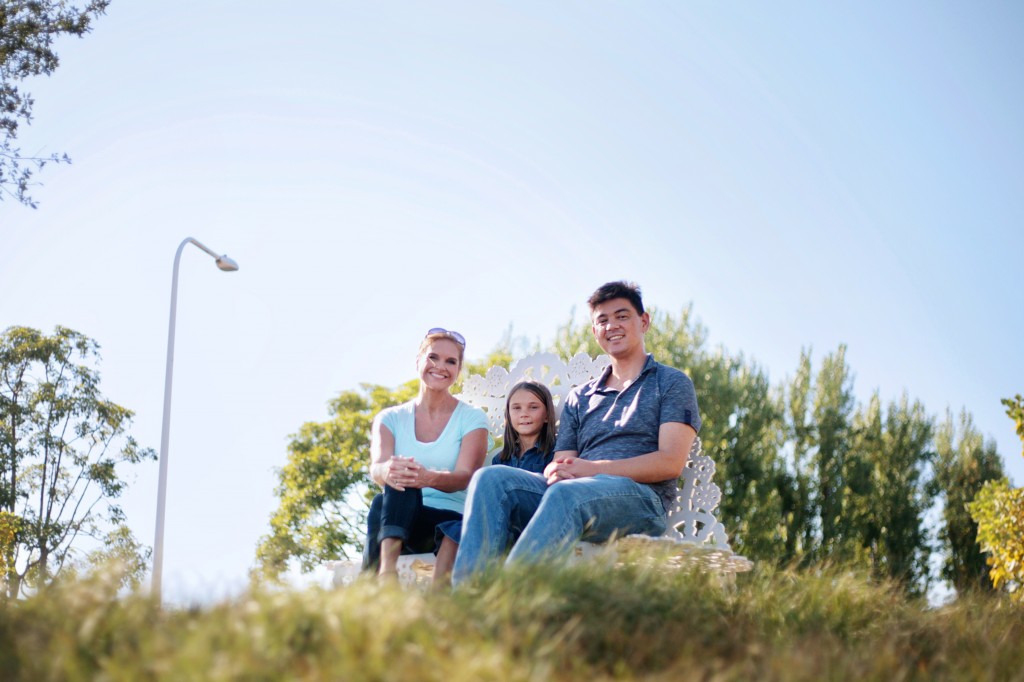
<point>442,454</point>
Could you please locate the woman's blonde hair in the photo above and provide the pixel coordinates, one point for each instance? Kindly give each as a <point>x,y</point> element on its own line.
<point>512,447</point>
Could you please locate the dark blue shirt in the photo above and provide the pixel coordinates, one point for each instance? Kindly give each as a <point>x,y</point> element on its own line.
<point>532,460</point>
<point>602,423</point>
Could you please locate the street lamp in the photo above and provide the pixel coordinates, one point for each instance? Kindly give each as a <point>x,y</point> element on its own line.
<point>227,265</point>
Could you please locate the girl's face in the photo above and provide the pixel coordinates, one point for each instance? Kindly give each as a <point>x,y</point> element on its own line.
<point>439,365</point>
<point>527,413</point>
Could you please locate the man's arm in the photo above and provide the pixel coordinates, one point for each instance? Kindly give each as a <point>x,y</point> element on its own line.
<point>674,442</point>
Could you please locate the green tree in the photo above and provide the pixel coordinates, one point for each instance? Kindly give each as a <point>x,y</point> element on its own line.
<point>888,491</point>
<point>742,431</point>
<point>320,516</point>
<point>853,480</point>
<point>819,479</point>
<point>832,413</point>
<point>61,444</point>
<point>28,29</point>
<point>964,462</point>
<point>1015,411</point>
<point>796,479</point>
<point>998,510</point>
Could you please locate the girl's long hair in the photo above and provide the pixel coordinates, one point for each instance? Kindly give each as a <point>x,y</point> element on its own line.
<point>546,438</point>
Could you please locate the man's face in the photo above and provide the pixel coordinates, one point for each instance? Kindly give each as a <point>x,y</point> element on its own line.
<point>618,328</point>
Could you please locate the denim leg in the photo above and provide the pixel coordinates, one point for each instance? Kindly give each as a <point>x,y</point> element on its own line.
<point>592,509</point>
<point>499,505</point>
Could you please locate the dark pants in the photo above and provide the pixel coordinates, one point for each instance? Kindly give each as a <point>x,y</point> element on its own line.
<point>402,514</point>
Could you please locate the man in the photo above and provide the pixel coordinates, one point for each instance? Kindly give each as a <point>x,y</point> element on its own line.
<point>623,440</point>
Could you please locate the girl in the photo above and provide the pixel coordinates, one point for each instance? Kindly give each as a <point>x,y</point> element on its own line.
<point>529,443</point>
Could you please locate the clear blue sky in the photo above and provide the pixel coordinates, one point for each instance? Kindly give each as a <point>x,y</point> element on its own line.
<point>806,174</point>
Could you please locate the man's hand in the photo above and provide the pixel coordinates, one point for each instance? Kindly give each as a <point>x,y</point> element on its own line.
<point>564,468</point>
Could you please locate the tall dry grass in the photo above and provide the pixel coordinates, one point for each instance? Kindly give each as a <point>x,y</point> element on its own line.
<point>544,623</point>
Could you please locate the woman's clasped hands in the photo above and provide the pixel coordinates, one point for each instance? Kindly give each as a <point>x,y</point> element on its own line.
<point>405,472</point>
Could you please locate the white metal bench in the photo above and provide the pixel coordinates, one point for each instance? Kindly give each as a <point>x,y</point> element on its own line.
<point>694,533</point>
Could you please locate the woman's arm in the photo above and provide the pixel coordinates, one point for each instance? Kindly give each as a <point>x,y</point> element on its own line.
<point>382,455</point>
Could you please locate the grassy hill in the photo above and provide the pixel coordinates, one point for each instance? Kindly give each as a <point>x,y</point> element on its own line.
<point>584,622</point>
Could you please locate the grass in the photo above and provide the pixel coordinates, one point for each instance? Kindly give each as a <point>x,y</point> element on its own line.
<point>584,622</point>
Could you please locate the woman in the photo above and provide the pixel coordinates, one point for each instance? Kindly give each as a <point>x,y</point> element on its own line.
<point>422,453</point>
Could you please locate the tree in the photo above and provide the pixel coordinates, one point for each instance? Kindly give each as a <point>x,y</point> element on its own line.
<point>320,517</point>
<point>61,444</point>
<point>819,481</point>
<point>889,493</point>
<point>796,480</point>
<point>964,462</point>
<point>998,510</point>
<point>1015,411</point>
<point>28,29</point>
<point>832,412</point>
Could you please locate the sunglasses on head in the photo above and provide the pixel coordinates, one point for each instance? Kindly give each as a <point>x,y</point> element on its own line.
<point>455,336</point>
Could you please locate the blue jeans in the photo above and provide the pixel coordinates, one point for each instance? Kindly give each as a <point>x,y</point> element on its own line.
<point>504,502</point>
<point>402,514</point>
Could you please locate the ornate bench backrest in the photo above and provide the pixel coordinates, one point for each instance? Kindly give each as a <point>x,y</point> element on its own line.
<point>692,518</point>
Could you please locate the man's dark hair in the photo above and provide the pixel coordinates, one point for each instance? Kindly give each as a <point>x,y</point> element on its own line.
<point>621,289</point>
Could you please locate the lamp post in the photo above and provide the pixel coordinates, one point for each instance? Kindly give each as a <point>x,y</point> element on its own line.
<point>227,265</point>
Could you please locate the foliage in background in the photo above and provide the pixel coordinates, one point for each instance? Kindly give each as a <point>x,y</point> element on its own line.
<point>27,31</point>
<point>808,476</point>
<point>1015,411</point>
<point>998,510</point>
<point>61,443</point>
<point>964,462</point>
<point>886,473</point>
<point>319,517</point>
<point>547,623</point>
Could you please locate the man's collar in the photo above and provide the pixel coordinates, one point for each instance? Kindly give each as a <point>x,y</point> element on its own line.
<point>602,380</point>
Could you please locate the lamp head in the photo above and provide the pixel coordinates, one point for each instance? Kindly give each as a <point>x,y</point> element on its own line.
<point>226,264</point>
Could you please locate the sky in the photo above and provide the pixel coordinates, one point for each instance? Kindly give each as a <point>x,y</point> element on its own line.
<point>804,174</point>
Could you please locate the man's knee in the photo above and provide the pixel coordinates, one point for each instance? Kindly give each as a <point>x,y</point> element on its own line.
<point>568,491</point>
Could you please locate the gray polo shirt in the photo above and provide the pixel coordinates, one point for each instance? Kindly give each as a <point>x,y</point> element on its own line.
<point>602,423</point>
